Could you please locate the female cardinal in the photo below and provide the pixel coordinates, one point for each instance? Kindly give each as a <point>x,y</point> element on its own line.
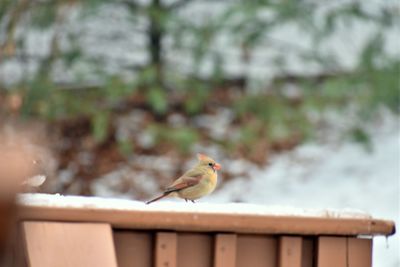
<point>195,183</point>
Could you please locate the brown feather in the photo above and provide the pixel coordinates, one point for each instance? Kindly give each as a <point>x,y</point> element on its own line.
<point>183,182</point>
<point>158,198</point>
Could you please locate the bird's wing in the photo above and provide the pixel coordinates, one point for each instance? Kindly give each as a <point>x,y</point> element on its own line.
<point>183,182</point>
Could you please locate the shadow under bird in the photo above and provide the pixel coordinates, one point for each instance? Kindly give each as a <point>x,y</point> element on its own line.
<point>197,182</point>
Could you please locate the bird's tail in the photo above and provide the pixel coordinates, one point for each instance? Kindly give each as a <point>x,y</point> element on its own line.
<point>158,198</point>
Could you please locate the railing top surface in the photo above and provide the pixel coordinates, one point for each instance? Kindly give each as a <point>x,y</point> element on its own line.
<point>201,217</point>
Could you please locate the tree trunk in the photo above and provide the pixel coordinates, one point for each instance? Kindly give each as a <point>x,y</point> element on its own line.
<point>155,39</point>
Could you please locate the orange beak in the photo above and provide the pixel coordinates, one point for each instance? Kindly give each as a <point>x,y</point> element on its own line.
<point>217,166</point>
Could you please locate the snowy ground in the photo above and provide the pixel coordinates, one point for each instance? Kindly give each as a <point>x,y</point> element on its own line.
<point>333,176</point>
<point>97,34</point>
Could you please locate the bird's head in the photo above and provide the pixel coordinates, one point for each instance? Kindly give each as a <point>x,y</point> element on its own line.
<point>207,161</point>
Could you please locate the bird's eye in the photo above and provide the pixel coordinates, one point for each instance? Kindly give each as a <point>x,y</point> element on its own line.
<point>210,164</point>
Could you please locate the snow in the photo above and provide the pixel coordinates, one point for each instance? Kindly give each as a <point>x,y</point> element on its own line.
<point>57,200</point>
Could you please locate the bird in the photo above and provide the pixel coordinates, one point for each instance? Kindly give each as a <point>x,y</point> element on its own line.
<point>197,182</point>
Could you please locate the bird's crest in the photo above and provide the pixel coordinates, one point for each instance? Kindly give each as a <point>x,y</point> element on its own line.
<point>202,157</point>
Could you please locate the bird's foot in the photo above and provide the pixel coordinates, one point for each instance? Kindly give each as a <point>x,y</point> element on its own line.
<point>186,200</point>
<point>193,201</point>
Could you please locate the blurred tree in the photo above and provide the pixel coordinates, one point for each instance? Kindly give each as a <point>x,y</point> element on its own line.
<point>194,83</point>
<point>172,29</point>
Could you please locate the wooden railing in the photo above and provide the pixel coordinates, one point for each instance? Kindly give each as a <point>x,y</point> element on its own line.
<point>90,236</point>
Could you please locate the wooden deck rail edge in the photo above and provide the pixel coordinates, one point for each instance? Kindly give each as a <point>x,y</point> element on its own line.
<point>211,222</point>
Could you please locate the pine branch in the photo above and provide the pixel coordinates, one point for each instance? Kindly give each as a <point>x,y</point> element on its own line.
<point>7,48</point>
<point>47,62</point>
<point>178,4</point>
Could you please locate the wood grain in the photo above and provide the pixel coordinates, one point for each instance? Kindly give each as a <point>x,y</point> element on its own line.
<point>211,222</point>
<point>290,251</point>
<point>332,252</point>
<point>133,248</point>
<point>195,249</point>
<point>256,251</point>
<point>50,244</point>
<point>359,252</point>
<point>225,250</point>
<point>166,250</point>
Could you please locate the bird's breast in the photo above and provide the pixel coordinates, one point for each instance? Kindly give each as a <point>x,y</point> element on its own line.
<point>204,187</point>
<point>213,179</point>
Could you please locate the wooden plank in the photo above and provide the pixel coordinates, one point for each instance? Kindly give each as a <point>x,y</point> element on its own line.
<point>166,248</point>
<point>359,252</point>
<point>211,222</point>
<point>290,251</point>
<point>133,248</point>
<point>8,211</point>
<point>225,250</point>
<point>332,252</point>
<point>308,252</point>
<point>195,250</point>
<point>256,251</point>
<point>50,244</point>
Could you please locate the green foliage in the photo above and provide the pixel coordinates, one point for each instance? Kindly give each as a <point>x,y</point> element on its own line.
<point>272,115</point>
<point>44,15</point>
<point>251,133</point>
<point>72,55</point>
<point>100,125</point>
<point>36,97</point>
<point>198,95</point>
<point>386,85</point>
<point>125,147</point>
<point>359,135</point>
<point>157,99</point>
<point>184,138</point>
<point>5,6</point>
<point>116,88</point>
<point>181,138</point>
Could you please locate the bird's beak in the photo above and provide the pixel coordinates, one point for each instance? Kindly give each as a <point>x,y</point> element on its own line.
<point>217,166</point>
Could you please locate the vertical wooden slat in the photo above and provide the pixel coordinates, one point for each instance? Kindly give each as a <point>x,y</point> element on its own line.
<point>256,251</point>
<point>290,251</point>
<point>195,250</point>
<point>166,249</point>
<point>225,250</point>
<point>308,252</point>
<point>50,244</point>
<point>332,252</point>
<point>8,210</point>
<point>133,248</point>
<point>359,252</point>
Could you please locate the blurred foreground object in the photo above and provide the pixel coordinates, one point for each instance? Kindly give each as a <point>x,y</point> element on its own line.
<point>35,181</point>
<point>199,181</point>
<point>15,167</point>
